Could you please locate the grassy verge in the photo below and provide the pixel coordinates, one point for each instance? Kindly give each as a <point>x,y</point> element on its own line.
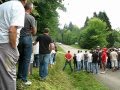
<point>59,80</point>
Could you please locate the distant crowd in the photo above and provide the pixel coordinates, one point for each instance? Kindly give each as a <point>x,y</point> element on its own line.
<point>94,61</point>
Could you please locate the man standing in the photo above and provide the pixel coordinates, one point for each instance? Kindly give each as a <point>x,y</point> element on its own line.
<point>25,44</point>
<point>11,21</point>
<point>79,57</point>
<point>44,53</point>
<point>68,58</point>
<point>113,58</point>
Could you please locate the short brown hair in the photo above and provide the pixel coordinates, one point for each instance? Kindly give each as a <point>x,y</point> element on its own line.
<point>46,30</point>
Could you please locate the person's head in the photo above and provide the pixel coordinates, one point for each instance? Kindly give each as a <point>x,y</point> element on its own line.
<point>68,51</point>
<point>28,7</point>
<point>23,2</point>
<point>46,31</point>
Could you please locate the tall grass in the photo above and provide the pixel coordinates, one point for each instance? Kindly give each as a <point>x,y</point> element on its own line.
<point>61,80</point>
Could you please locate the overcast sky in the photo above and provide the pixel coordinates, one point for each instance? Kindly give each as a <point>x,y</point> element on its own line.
<point>78,10</point>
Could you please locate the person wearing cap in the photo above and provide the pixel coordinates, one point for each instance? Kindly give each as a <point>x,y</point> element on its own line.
<point>12,15</point>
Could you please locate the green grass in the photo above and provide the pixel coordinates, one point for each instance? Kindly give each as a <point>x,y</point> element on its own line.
<point>62,80</point>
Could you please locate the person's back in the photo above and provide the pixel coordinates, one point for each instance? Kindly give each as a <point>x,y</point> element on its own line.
<point>8,11</point>
<point>68,57</point>
<point>119,55</point>
<point>44,52</point>
<point>86,56</point>
<point>90,57</point>
<point>95,57</point>
<point>79,56</point>
<point>12,15</point>
<point>29,22</point>
<point>25,44</point>
<point>44,41</point>
<point>113,55</point>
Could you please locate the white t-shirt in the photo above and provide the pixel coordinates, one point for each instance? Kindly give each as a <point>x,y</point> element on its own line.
<point>12,13</point>
<point>89,57</point>
<point>79,56</point>
<point>113,56</point>
<point>36,48</point>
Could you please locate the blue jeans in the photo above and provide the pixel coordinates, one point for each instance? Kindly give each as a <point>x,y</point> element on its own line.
<point>25,50</point>
<point>36,60</point>
<point>85,65</point>
<point>95,68</point>
<point>118,64</point>
<point>51,58</point>
<point>43,67</point>
<point>78,65</point>
<point>82,64</point>
<point>90,66</point>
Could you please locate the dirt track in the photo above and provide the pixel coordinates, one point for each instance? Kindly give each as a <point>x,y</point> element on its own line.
<point>109,79</point>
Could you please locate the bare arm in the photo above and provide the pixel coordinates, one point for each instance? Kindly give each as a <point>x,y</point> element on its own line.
<point>34,31</point>
<point>50,46</point>
<point>12,36</point>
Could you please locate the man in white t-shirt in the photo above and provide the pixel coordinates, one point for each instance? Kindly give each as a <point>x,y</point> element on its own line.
<point>12,15</point>
<point>79,57</point>
<point>113,58</point>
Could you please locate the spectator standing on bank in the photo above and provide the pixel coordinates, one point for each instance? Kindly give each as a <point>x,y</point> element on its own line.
<point>79,57</point>
<point>36,55</point>
<point>118,58</point>
<point>52,54</point>
<point>104,58</point>
<point>95,62</point>
<point>113,58</point>
<point>25,44</point>
<point>54,58</point>
<point>89,61</point>
<point>12,15</point>
<point>68,58</point>
<point>75,62</point>
<point>44,53</point>
<point>85,58</point>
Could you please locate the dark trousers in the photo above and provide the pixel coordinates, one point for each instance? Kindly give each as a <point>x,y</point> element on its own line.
<point>67,62</point>
<point>36,60</point>
<point>75,65</point>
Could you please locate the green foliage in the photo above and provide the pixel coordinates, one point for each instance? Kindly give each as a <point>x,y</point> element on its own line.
<point>70,34</point>
<point>46,15</point>
<point>103,16</point>
<point>94,34</point>
<point>86,22</point>
<point>114,39</point>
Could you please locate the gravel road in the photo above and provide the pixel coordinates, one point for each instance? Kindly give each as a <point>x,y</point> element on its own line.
<point>109,79</point>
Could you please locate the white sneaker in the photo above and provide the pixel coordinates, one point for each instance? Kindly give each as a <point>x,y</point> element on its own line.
<point>28,83</point>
